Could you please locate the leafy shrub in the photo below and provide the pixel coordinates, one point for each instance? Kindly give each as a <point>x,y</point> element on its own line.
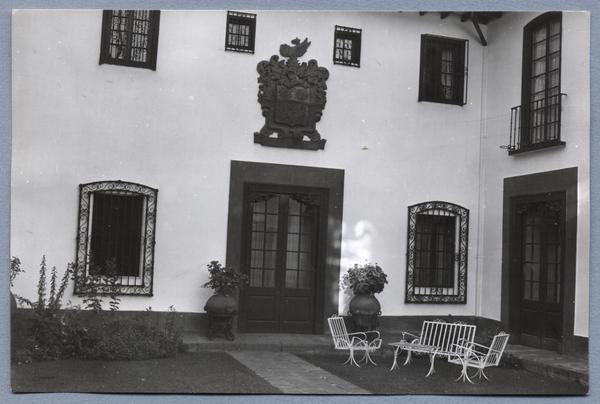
<point>53,333</point>
<point>224,280</point>
<point>365,279</point>
<point>134,340</point>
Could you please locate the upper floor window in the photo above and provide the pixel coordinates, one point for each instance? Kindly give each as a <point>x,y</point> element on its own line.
<point>443,69</point>
<point>541,96</point>
<point>115,240</point>
<point>130,38</point>
<point>240,33</point>
<point>437,253</point>
<point>346,46</point>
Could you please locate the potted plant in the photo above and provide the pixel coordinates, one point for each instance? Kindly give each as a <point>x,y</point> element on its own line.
<point>222,306</point>
<point>364,281</point>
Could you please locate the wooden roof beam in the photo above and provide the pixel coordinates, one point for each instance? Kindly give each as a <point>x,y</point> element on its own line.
<point>478,29</point>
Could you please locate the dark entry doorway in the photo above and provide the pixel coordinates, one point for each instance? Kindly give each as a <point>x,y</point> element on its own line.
<point>283,242</point>
<point>537,269</point>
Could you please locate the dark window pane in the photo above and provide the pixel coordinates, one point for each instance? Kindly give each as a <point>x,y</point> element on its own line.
<point>291,279</point>
<point>240,32</point>
<point>130,38</point>
<point>434,253</point>
<point>116,237</point>
<point>346,46</point>
<point>442,69</point>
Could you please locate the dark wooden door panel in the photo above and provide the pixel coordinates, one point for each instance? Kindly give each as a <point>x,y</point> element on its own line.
<point>538,272</point>
<point>281,254</point>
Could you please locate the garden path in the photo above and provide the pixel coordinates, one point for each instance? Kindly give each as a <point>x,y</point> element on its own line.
<point>293,375</point>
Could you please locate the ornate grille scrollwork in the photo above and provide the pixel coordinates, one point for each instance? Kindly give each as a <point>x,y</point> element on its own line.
<point>437,243</point>
<point>141,284</point>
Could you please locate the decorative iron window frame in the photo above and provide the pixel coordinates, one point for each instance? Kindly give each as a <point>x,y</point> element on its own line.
<point>462,87</point>
<point>462,215</point>
<point>353,34</point>
<point>152,45</point>
<point>239,18</point>
<point>84,235</point>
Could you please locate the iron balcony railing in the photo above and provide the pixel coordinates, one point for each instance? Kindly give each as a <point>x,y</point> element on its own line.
<point>535,125</point>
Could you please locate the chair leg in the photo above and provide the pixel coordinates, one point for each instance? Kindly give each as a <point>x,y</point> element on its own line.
<point>431,367</point>
<point>464,376</point>
<point>351,359</point>
<point>397,351</point>
<point>480,373</point>
<point>408,357</point>
<point>367,358</point>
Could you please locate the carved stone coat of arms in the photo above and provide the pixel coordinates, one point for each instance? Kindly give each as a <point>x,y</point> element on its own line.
<point>292,97</point>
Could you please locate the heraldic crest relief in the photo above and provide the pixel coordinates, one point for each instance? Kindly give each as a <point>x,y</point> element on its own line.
<point>292,97</point>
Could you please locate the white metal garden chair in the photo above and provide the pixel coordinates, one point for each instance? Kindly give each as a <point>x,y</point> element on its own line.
<point>353,342</point>
<point>474,355</point>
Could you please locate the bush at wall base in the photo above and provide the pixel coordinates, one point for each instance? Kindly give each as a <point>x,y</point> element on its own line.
<point>46,331</point>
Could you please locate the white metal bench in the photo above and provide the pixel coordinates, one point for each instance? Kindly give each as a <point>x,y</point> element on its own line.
<point>473,355</point>
<point>354,341</point>
<point>437,338</point>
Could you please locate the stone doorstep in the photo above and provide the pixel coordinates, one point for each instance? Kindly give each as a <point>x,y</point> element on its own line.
<point>551,364</point>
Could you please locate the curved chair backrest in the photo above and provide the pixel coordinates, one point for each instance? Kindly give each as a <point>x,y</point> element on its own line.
<point>496,349</point>
<point>338,332</point>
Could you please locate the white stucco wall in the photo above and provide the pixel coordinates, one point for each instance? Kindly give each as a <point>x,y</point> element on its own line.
<point>503,66</point>
<point>178,128</point>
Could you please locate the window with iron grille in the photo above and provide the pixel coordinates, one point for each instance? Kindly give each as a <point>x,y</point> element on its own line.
<point>130,38</point>
<point>346,46</point>
<point>115,247</point>
<point>443,70</point>
<point>240,33</point>
<point>541,97</point>
<point>437,253</point>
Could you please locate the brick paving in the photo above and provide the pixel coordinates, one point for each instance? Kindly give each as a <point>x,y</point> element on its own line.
<point>293,375</point>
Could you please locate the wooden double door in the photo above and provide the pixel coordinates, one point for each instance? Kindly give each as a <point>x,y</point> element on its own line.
<point>537,275</point>
<point>282,254</point>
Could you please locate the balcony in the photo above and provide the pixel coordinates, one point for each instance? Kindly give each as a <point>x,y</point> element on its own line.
<point>535,125</point>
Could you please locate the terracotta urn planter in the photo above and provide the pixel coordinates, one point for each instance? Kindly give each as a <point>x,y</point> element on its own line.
<point>365,310</point>
<point>221,304</point>
<point>222,307</point>
<point>364,281</point>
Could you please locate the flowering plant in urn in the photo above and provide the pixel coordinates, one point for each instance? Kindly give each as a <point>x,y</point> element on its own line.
<point>364,281</point>
<point>224,280</point>
<point>222,306</point>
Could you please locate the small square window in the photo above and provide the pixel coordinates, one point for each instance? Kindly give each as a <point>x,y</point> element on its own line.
<point>130,38</point>
<point>240,32</point>
<point>346,46</point>
<point>443,69</point>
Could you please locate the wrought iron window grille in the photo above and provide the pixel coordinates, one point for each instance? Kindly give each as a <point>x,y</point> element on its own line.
<point>347,46</point>
<point>436,258</point>
<point>130,38</point>
<point>115,238</point>
<point>443,69</point>
<point>536,123</point>
<point>240,32</point>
